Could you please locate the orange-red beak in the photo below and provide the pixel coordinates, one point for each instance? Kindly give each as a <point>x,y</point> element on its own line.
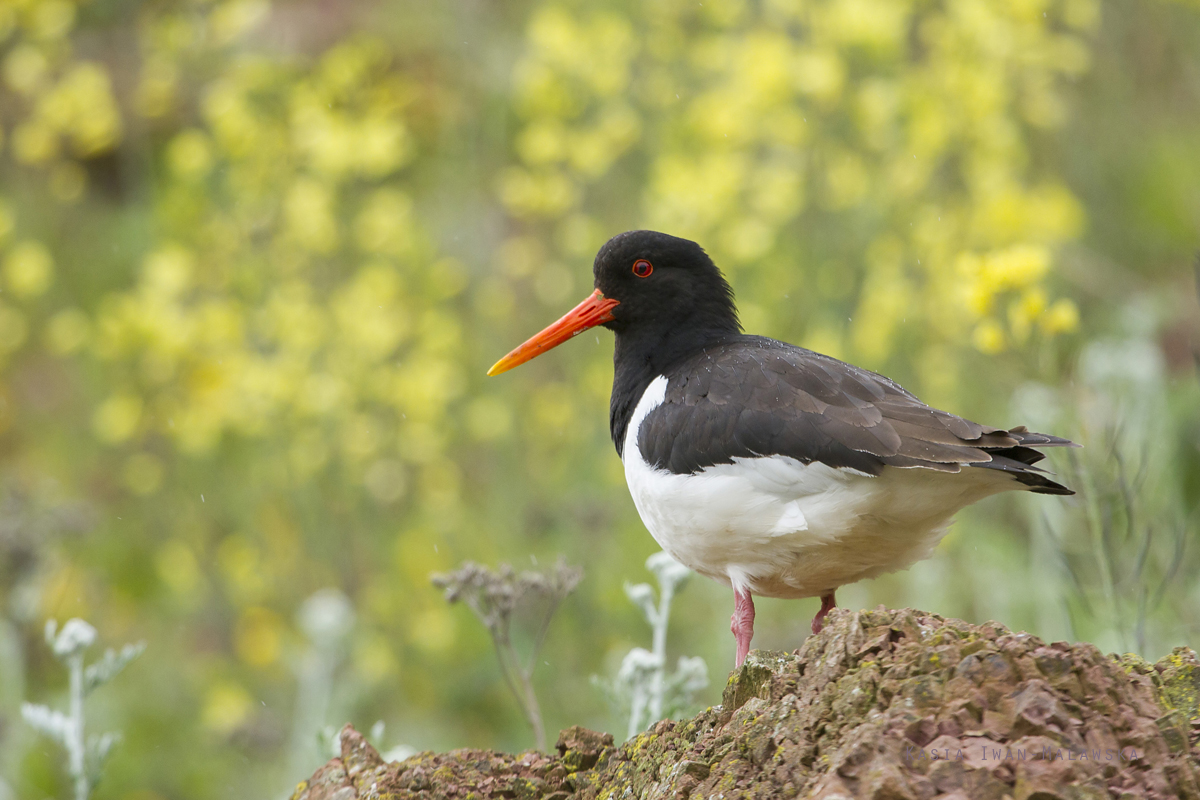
<point>596,309</point>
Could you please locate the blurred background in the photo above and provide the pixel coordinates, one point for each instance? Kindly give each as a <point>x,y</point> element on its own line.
<point>256,257</point>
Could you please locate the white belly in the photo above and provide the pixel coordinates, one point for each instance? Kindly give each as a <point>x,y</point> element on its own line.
<point>782,528</point>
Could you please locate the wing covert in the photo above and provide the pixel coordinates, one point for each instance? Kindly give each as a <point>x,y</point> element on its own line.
<point>754,397</point>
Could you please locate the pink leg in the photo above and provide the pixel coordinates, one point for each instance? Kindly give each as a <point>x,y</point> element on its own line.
<point>742,622</point>
<point>827,604</point>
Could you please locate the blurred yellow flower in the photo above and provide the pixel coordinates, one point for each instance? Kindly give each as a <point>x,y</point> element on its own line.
<point>434,629</point>
<point>34,142</point>
<point>1061,317</point>
<point>156,90</point>
<point>7,220</point>
<point>1024,311</point>
<point>383,223</point>
<point>552,410</point>
<point>189,155</point>
<point>68,181</point>
<point>374,659</point>
<point>878,24</point>
<point>65,592</point>
<point>988,337</point>
<point>82,107</point>
<point>226,706</point>
<point>28,269</point>
<point>691,196</point>
<point>117,418</point>
<point>142,474</point>
<point>419,442</point>
<point>368,319</point>
<point>1084,14</point>
<point>258,637</point>
<point>177,567</point>
<point>323,393</point>
<point>533,194</point>
<point>441,482</point>
<point>777,191</point>
<point>425,385</point>
<point>848,180</point>
<point>818,73</point>
<point>825,339</point>
<point>234,18</point>
<point>167,271</point>
<point>309,213</point>
<point>67,331</point>
<point>382,145</point>
<point>446,278</point>
<point>488,418</point>
<point>542,142</point>
<point>308,453</point>
<point>13,329</point>
<point>385,480</point>
<point>242,569</point>
<point>52,19</point>
<point>579,235</point>
<point>1015,268</point>
<point>25,68</point>
<point>748,239</point>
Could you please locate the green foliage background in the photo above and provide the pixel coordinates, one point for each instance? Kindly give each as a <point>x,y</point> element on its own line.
<point>256,258</point>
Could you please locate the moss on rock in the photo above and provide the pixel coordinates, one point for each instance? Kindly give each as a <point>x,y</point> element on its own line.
<point>887,705</point>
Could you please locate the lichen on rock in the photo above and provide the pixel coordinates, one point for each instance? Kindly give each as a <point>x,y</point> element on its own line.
<point>887,705</point>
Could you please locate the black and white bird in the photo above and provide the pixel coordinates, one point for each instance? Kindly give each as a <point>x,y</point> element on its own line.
<point>776,470</point>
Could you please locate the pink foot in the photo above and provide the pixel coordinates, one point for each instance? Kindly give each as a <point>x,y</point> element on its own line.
<point>827,605</point>
<point>742,622</point>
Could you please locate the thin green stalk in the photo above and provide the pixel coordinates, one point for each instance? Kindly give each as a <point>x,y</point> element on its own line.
<point>1097,527</point>
<point>76,754</point>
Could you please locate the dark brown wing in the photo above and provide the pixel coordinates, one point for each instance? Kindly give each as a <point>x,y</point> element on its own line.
<point>759,397</point>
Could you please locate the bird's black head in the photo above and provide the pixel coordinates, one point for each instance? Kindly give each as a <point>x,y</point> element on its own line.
<point>661,291</point>
<point>661,281</point>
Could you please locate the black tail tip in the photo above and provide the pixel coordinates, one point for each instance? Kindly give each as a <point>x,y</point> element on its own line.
<point>1050,487</point>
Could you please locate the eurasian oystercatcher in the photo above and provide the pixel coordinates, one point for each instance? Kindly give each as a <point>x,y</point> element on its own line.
<point>773,469</point>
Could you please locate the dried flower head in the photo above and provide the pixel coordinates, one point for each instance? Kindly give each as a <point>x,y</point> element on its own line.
<point>495,597</point>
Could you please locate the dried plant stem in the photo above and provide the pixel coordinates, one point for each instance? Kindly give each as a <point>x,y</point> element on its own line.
<point>494,597</point>
<point>520,678</point>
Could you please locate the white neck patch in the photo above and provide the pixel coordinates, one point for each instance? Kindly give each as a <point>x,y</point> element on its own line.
<point>652,398</point>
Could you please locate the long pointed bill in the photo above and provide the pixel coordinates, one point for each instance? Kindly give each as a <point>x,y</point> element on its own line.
<point>593,311</point>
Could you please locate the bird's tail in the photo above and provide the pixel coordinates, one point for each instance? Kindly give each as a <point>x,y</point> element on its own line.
<point>1019,460</point>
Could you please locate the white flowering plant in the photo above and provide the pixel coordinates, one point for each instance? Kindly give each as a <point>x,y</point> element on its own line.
<point>642,687</point>
<point>85,754</point>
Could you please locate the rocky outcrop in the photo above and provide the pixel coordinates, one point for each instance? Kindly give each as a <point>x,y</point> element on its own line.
<point>888,705</point>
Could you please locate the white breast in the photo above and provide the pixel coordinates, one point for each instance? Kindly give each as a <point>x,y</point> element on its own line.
<point>782,528</point>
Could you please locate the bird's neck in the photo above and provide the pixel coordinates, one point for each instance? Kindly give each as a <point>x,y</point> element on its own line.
<point>640,357</point>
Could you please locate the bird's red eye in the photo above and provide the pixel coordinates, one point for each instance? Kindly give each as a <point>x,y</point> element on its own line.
<point>642,268</point>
